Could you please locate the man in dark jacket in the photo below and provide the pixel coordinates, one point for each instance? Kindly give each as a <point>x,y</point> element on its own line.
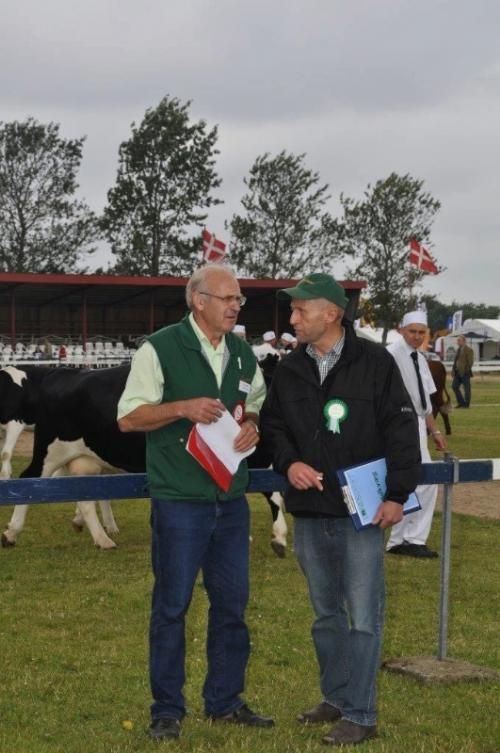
<point>462,372</point>
<point>337,401</point>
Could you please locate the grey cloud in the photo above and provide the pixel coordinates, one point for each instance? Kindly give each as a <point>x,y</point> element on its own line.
<point>364,87</point>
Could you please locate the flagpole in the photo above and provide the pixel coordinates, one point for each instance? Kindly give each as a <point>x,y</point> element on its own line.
<point>410,282</point>
<point>228,246</point>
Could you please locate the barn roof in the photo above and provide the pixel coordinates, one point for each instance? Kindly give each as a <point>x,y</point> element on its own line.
<point>119,289</point>
<point>44,289</point>
<point>107,291</point>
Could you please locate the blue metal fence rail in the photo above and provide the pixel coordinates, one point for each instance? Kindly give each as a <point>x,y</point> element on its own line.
<point>134,485</point>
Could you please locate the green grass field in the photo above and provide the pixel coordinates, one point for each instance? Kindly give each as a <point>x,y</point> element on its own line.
<point>74,621</point>
<point>476,431</point>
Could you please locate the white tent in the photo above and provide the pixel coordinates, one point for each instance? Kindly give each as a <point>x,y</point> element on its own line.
<point>375,334</point>
<point>488,329</point>
<point>483,335</point>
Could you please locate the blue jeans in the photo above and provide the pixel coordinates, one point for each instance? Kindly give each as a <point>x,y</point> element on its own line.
<point>457,383</point>
<point>188,536</point>
<point>344,569</point>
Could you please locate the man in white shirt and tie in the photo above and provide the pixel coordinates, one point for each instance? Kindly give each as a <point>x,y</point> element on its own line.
<point>409,537</point>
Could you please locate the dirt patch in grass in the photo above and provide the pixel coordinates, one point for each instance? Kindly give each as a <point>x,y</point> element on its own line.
<point>479,498</point>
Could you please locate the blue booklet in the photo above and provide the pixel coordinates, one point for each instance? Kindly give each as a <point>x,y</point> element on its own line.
<point>364,487</point>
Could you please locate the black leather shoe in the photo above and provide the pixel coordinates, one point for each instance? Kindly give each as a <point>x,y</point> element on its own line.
<point>413,550</point>
<point>424,551</point>
<point>323,712</point>
<point>349,733</point>
<point>162,729</point>
<point>245,717</point>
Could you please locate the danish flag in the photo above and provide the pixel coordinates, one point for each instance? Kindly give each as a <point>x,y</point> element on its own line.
<point>421,258</point>
<point>213,250</point>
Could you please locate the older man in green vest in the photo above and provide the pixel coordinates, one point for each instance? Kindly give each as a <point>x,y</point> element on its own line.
<point>185,374</point>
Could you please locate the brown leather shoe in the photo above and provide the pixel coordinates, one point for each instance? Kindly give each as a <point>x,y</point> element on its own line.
<point>323,712</point>
<point>349,733</point>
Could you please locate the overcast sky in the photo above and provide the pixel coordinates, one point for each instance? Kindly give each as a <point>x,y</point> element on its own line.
<point>363,87</point>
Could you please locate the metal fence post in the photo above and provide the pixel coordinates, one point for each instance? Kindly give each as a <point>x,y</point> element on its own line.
<point>444,589</point>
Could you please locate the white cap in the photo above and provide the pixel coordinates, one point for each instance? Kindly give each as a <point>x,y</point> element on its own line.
<point>268,336</point>
<point>414,317</point>
<point>288,338</point>
<point>239,329</point>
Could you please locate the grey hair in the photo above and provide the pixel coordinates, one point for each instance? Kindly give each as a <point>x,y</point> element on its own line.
<point>200,277</point>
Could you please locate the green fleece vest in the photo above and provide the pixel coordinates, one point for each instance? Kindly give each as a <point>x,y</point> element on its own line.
<point>172,472</point>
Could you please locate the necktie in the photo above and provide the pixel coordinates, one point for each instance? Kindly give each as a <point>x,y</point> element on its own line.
<point>414,357</point>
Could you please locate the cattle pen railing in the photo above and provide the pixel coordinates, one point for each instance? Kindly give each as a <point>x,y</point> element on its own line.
<point>448,472</point>
<point>480,367</point>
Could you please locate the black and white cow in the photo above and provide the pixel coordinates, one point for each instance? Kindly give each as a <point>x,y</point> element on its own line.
<point>74,412</point>
<point>262,459</point>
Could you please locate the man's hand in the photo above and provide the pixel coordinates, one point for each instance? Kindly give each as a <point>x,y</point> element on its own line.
<point>203,410</point>
<point>387,514</point>
<point>439,440</point>
<point>303,476</point>
<point>247,438</point>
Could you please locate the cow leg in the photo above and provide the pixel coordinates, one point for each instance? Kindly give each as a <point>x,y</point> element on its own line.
<point>78,521</point>
<point>15,526</point>
<point>107,516</point>
<point>279,529</point>
<point>13,431</point>
<point>85,466</point>
<point>89,514</point>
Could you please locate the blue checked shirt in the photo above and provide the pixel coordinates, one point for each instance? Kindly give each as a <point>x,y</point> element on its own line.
<point>327,362</point>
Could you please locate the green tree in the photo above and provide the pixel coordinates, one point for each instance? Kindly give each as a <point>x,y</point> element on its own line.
<point>165,177</point>
<point>376,231</point>
<point>438,313</point>
<point>476,310</point>
<point>44,228</point>
<point>285,231</point>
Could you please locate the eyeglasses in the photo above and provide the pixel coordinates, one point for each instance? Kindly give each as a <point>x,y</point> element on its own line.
<point>228,299</point>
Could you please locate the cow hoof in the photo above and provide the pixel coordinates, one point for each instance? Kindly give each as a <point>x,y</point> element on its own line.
<point>6,543</point>
<point>112,529</point>
<point>78,527</point>
<point>278,549</point>
<point>106,546</point>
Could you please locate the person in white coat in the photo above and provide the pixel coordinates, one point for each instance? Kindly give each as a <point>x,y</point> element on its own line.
<point>267,347</point>
<point>409,537</point>
<point>240,331</point>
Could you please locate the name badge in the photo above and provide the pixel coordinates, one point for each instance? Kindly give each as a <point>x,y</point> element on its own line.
<point>244,387</point>
<point>239,411</point>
